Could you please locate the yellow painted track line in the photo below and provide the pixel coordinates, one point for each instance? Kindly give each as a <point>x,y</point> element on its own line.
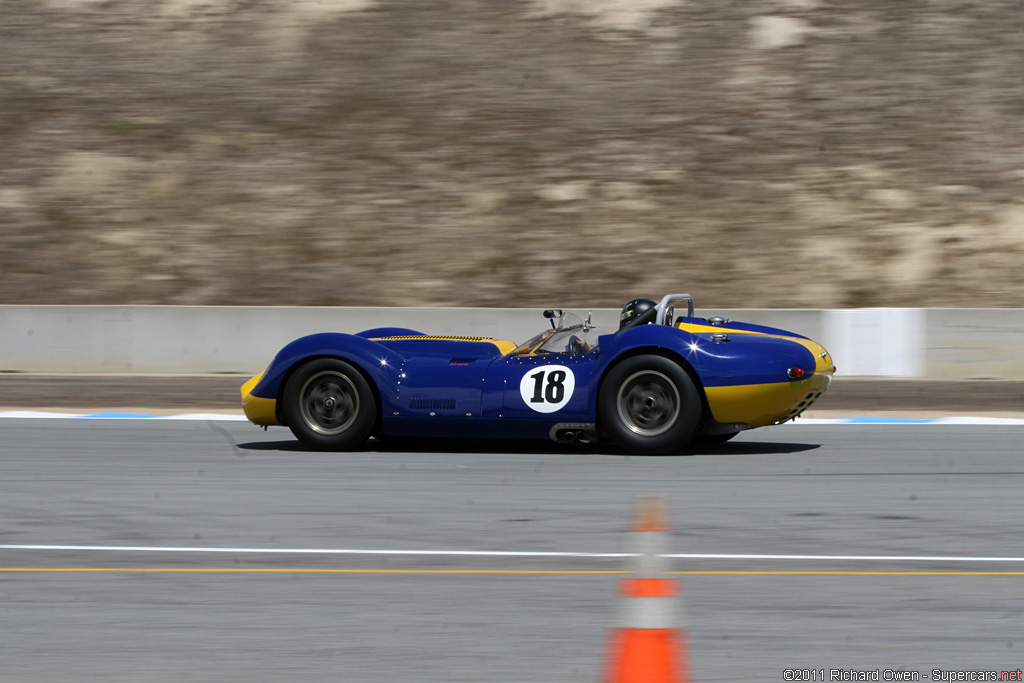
<point>257,570</point>
<point>796,572</point>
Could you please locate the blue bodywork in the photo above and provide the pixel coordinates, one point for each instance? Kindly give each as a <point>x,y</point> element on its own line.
<point>466,387</point>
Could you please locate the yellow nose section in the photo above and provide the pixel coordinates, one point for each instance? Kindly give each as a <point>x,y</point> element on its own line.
<point>261,411</point>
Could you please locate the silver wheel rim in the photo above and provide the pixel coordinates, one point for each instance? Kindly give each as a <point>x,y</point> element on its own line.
<point>329,403</point>
<point>648,403</point>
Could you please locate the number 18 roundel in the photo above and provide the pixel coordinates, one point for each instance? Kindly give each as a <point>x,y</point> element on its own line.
<point>547,388</point>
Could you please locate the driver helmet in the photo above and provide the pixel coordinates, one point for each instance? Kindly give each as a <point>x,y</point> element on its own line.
<point>633,310</point>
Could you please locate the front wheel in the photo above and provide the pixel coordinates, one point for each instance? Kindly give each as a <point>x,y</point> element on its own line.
<point>649,405</point>
<point>329,405</point>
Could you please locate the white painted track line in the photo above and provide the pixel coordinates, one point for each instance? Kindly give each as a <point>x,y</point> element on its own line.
<point>504,553</point>
<point>48,414</point>
<point>314,551</point>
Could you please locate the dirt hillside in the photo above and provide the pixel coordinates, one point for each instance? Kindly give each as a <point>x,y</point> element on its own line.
<point>515,152</point>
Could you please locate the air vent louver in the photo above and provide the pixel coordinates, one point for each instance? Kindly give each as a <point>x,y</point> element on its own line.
<point>432,404</point>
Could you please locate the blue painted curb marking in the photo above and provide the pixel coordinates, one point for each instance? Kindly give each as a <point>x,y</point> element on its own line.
<point>889,421</point>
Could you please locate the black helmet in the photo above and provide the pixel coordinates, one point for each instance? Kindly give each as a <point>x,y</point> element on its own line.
<point>633,310</point>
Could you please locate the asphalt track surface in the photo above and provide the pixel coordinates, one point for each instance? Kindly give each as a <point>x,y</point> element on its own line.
<point>142,550</point>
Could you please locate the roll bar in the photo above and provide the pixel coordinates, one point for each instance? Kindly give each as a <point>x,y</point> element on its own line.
<point>666,307</point>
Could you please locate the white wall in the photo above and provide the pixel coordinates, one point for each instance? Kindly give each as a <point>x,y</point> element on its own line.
<point>882,342</point>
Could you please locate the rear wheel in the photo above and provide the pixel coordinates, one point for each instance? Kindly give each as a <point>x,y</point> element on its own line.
<point>648,404</point>
<point>329,405</point>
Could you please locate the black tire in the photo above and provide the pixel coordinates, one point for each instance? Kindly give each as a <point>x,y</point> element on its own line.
<point>329,405</point>
<point>649,405</point>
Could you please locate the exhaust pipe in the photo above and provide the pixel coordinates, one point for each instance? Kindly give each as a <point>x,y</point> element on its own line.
<point>583,433</point>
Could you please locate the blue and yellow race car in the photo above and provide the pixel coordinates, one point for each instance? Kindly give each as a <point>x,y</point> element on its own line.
<point>653,386</point>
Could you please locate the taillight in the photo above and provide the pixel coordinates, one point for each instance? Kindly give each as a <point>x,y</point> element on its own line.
<point>795,373</point>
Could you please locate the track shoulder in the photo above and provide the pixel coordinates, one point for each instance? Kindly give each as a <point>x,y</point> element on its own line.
<point>215,393</point>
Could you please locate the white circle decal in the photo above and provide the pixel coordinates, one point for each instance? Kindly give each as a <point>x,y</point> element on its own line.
<point>547,388</point>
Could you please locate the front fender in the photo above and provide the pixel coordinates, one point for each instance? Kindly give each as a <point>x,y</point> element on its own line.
<point>382,365</point>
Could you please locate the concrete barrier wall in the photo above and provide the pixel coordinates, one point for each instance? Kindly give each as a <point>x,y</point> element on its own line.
<point>886,342</point>
<point>975,344</point>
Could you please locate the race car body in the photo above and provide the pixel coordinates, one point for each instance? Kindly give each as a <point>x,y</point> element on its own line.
<point>653,386</point>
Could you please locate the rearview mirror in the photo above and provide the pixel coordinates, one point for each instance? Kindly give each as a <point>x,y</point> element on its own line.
<point>551,314</point>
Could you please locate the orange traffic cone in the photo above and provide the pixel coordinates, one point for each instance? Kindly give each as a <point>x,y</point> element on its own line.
<point>648,645</point>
